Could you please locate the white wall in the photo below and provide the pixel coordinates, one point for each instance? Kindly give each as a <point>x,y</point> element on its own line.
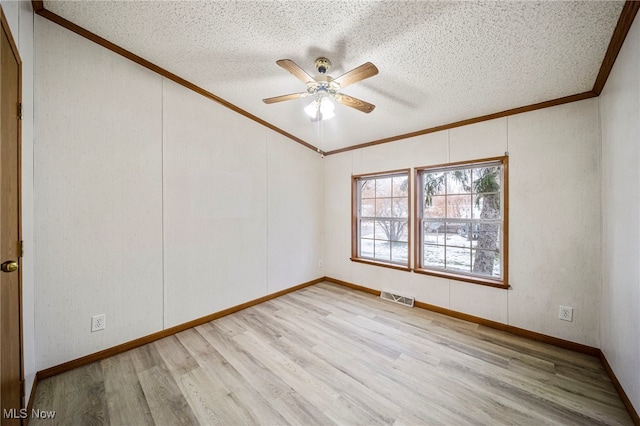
<point>19,15</point>
<point>296,213</point>
<point>155,205</point>
<point>554,222</point>
<point>98,192</point>
<point>215,200</point>
<point>620,307</point>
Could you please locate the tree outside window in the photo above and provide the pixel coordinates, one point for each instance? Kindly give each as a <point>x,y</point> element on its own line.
<point>382,218</point>
<point>462,220</point>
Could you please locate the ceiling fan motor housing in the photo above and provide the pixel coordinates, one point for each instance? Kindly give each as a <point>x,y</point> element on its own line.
<point>323,84</point>
<point>323,65</point>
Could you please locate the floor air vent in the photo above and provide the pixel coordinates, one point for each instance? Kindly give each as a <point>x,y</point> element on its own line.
<point>398,298</point>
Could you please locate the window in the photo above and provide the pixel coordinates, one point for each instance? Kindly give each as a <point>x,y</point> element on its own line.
<point>381,219</point>
<point>462,222</point>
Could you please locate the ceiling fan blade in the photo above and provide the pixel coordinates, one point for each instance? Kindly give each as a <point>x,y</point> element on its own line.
<point>356,103</point>
<point>286,97</point>
<point>357,74</point>
<point>294,69</point>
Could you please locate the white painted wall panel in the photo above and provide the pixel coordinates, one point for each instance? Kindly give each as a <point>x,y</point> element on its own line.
<point>426,288</point>
<point>425,150</point>
<point>482,140</point>
<point>554,229</point>
<point>561,144</point>
<point>620,311</point>
<point>98,192</point>
<point>337,187</point>
<point>215,207</point>
<point>480,301</point>
<point>296,213</point>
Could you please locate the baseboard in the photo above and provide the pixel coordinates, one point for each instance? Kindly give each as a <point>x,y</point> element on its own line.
<point>353,286</point>
<point>577,347</point>
<point>623,395</point>
<point>555,341</point>
<point>97,356</point>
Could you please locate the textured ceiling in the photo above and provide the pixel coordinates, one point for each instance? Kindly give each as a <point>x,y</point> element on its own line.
<point>439,62</point>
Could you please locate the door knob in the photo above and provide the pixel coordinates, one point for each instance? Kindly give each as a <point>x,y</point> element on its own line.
<point>9,266</point>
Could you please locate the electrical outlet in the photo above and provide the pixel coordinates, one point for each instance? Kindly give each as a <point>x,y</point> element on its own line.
<point>566,313</point>
<point>98,322</point>
<point>320,263</point>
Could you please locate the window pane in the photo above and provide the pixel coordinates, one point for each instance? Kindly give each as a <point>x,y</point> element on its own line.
<point>392,230</point>
<point>488,236</point>
<point>458,182</point>
<point>366,229</point>
<point>366,248</point>
<point>402,233</point>
<point>399,252</point>
<point>486,206</point>
<point>450,228</point>
<point>459,206</point>
<point>383,187</point>
<point>400,207</point>
<point>498,179</point>
<point>486,179</point>
<point>469,231</point>
<point>433,183</point>
<point>368,188</point>
<point>434,232</point>
<point>435,207</point>
<point>455,237</point>
<point>459,259</point>
<point>383,207</point>
<point>486,262</point>
<point>433,256</point>
<point>380,229</point>
<point>400,186</point>
<point>382,250</point>
<point>367,207</point>
<point>476,207</point>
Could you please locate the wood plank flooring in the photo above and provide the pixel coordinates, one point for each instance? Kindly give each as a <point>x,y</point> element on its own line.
<point>331,355</point>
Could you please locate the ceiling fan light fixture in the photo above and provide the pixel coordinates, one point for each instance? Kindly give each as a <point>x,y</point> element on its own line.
<point>312,109</point>
<point>326,108</point>
<point>324,87</point>
<point>320,109</point>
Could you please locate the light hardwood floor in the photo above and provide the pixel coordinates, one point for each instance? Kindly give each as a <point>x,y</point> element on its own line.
<point>330,355</point>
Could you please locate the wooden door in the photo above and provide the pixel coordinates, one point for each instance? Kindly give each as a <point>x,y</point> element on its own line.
<point>11,371</point>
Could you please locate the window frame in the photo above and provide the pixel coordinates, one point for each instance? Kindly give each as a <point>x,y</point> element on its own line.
<point>355,217</point>
<point>502,282</point>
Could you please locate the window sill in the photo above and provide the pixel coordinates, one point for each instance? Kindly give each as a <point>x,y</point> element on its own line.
<point>384,265</point>
<point>465,278</point>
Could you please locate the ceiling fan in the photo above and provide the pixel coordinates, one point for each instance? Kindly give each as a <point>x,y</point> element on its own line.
<point>323,88</point>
